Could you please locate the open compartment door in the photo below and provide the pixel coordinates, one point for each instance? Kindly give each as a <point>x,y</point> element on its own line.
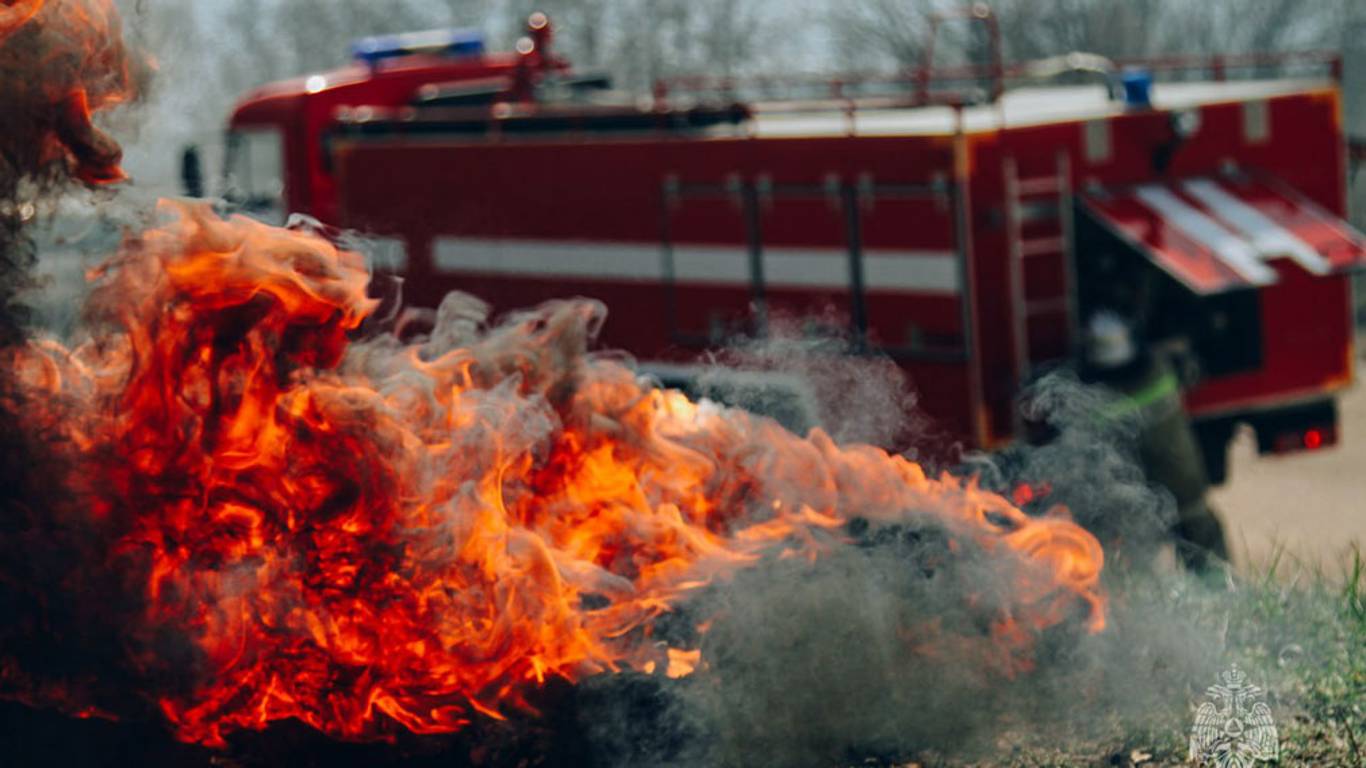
<point>1219,234</point>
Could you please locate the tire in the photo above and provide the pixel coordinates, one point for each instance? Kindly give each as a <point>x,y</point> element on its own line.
<point>1214,438</point>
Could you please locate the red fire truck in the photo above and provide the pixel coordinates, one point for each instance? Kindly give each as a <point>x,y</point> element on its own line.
<point>962,221</point>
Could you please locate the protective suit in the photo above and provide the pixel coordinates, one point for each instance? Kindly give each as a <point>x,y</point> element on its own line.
<point>1150,391</point>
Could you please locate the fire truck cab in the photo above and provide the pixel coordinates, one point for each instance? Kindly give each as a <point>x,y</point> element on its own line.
<point>963,222</point>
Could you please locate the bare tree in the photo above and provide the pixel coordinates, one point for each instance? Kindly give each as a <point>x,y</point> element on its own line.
<point>879,32</point>
<point>894,30</point>
<point>1034,29</point>
<point>582,27</point>
<point>246,31</point>
<point>638,41</point>
<point>1233,26</point>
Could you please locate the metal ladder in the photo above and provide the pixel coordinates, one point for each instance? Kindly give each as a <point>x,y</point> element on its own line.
<point>1028,200</point>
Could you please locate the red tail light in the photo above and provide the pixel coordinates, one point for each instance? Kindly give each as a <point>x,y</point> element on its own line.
<point>1313,439</point>
<point>1307,427</point>
<point>1310,439</point>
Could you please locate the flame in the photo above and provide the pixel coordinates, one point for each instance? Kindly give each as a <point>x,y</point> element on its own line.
<point>61,61</point>
<point>348,532</point>
<point>15,13</point>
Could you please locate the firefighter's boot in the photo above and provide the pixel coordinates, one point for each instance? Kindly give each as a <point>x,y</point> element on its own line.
<point>1199,536</point>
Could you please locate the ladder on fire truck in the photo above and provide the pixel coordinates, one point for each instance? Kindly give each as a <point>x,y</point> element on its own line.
<point>1030,200</point>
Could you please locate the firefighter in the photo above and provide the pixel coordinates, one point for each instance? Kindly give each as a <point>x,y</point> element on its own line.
<point>1150,391</point>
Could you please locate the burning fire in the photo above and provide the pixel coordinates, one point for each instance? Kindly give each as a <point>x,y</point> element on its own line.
<point>60,61</point>
<point>348,532</point>
<point>15,13</point>
<point>243,512</point>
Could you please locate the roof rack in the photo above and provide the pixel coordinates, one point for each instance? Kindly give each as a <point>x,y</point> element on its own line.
<point>972,84</point>
<point>509,118</point>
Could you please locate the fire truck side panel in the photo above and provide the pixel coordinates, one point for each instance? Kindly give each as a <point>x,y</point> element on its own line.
<point>904,214</point>
<point>692,240</point>
<point>661,231</point>
<point>1304,320</point>
<point>1305,325</point>
<point>306,108</point>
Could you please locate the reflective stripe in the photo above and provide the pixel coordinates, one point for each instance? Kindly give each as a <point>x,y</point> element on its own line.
<point>546,259</point>
<point>1269,238</point>
<point>796,267</point>
<point>1164,387</point>
<point>385,253</point>
<point>926,271</point>
<point>1226,246</point>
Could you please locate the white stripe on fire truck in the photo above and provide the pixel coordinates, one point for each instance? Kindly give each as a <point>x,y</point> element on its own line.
<point>924,271</point>
<point>1268,237</point>
<point>1227,247</point>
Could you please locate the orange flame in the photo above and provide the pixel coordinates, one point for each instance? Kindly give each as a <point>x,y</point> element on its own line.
<point>60,62</point>
<point>15,14</point>
<point>428,531</point>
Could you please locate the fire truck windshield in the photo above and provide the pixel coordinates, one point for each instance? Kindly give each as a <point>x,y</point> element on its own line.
<point>254,172</point>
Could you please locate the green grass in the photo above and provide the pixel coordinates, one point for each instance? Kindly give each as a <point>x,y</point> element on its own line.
<point>1307,628</point>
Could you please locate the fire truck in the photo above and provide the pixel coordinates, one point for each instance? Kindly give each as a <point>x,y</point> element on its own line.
<point>963,221</point>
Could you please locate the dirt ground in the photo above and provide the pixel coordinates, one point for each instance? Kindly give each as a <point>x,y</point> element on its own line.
<point>1313,505</point>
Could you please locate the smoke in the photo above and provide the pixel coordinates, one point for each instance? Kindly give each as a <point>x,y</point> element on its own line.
<point>1085,458</point>
<point>872,653</point>
<point>854,397</point>
<point>261,505</point>
<point>814,667</point>
<point>61,61</point>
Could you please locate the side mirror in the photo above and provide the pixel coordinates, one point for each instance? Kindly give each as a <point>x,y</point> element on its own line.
<point>191,172</point>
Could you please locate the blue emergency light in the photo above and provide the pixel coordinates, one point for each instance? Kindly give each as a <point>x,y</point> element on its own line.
<point>1138,88</point>
<point>440,42</point>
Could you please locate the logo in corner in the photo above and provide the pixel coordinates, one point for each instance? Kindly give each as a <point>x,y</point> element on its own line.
<point>1233,727</point>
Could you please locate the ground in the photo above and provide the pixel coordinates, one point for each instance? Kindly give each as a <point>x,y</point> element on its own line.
<point>1305,506</point>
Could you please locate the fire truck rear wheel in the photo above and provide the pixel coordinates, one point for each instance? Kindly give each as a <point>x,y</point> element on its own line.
<point>1214,438</point>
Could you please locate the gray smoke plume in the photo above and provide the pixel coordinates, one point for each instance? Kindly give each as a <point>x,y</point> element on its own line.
<point>857,398</point>
<point>61,62</point>
<point>833,662</point>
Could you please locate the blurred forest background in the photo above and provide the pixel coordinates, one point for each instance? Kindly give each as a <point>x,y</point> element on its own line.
<point>210,52</point>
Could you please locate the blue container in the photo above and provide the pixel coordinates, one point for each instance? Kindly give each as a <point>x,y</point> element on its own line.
<point>442,42</point>
<point>1138,88</point>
